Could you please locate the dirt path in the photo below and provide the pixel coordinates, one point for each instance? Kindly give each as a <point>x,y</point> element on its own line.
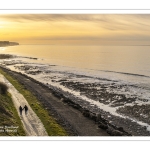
<point>68,116</point>
<point>32,124</point>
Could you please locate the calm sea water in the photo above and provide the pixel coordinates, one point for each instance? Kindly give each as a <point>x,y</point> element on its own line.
<point>127,59</point>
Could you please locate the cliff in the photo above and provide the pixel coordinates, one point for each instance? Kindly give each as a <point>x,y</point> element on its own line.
<point>7,43</point>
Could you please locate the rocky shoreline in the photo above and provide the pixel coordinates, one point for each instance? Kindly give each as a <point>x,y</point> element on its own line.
<point>114,125</point>
<point>58,115</point>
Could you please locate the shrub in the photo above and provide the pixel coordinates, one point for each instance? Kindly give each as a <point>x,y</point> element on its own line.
<point>3,88</point>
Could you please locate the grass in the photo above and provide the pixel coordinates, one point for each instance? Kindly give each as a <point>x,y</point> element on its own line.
<point>3,88</point>
<point>9,116</point>
<point>51,126</point>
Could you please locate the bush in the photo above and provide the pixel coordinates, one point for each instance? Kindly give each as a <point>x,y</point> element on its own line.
<point>3,88</point>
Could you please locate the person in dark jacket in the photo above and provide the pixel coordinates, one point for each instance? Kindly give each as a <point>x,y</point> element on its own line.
<point>20,110</point>
<point>26,109</point>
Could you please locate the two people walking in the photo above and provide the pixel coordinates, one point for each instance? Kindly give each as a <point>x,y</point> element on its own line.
<point>21,109</point>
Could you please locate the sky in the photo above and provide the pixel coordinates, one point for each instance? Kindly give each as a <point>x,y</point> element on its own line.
<point>76,29</point>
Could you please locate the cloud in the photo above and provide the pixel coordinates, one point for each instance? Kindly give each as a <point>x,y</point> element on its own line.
<point>94,27</point>
<point>50,17</point>
<point>68,17</point>
<point>110,22</point>
<point>119,37</point>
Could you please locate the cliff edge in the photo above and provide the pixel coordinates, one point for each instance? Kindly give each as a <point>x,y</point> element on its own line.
<point>7,43</point>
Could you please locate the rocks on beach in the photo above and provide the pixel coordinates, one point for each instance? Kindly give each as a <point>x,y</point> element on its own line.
<point>101,92</point>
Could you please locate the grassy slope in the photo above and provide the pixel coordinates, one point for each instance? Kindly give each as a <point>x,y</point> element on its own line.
<point>51,126</point>
<point>9,116</point>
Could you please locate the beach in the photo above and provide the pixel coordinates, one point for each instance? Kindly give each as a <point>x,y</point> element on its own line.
<point>105,103</point>
<point>70,118</point>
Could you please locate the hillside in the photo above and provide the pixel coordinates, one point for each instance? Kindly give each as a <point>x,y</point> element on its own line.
<point>7,43</point>
<point>10,123</point>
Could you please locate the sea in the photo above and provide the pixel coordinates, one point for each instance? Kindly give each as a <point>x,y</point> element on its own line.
<point>92,72</point>
<point>127,63</point>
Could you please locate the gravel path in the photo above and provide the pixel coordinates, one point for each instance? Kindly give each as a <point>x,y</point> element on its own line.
<point>32,124</point>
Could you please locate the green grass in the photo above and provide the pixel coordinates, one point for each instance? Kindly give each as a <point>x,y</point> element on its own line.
<point>9,116</point>
<point>51,126</point>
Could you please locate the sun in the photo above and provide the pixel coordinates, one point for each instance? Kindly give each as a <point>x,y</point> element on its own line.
<point>1,24</point>
<point>2,48</point>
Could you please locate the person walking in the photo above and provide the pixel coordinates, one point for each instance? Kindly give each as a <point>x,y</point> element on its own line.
<point>20,110</point>
<point>26,109</point>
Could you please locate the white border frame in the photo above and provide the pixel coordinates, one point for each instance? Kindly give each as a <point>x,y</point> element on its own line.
<point>74,11</point>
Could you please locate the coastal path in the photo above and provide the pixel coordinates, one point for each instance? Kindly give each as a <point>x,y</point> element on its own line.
<point>31,123</point>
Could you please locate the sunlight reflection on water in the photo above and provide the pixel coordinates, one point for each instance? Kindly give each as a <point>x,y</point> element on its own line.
<point>2,48</point>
